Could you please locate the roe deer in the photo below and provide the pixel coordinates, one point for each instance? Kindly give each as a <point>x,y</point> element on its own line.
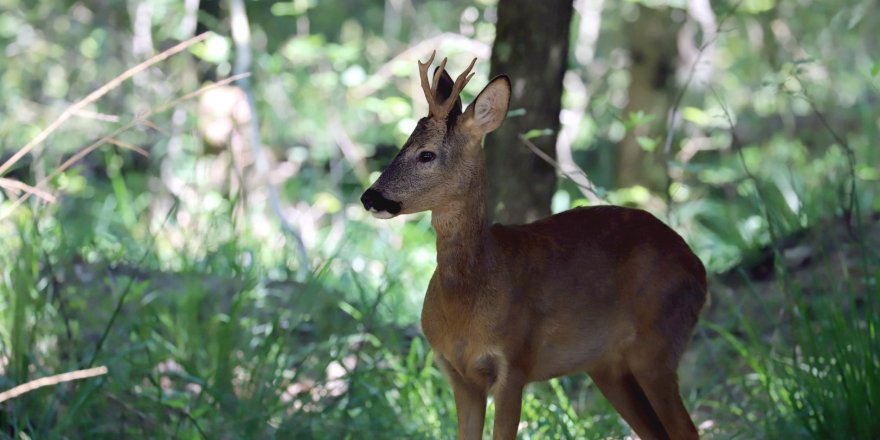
<point>607,290</point>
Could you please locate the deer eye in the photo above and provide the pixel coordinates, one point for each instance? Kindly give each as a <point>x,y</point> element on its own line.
<point>426,156</point>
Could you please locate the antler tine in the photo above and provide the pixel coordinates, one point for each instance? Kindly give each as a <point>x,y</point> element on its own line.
<point>441,109</point>
<point>423,73</point>
<point>460,82</point>
<point>437,74</point>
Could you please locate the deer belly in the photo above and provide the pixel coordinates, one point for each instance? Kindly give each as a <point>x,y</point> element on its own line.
<point>564,351</point>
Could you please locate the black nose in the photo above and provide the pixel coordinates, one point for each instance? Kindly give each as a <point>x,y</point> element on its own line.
<point>375,200</point>
<point>368,198</point>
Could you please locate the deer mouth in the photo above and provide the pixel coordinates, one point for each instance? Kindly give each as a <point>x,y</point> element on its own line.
<point>384,215</point>
<point>378,205</point>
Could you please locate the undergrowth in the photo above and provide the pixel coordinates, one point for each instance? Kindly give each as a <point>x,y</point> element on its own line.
<point>212,326</point>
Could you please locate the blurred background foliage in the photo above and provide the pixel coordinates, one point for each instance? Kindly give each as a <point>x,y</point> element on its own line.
<point>177,270</point>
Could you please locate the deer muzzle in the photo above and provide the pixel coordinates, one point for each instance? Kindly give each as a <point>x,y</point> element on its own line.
<point>378,205</point>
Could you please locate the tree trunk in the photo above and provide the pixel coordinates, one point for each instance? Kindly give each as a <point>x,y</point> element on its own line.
<point>654,60</point>
<point>531,47</point>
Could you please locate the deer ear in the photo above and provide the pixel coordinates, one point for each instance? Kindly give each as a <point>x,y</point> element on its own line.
<point>488,111</point>
<point>444,89</point>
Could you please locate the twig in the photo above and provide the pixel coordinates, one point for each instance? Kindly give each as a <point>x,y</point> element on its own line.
<point>851,206</point>
<point>85,151</point>
<point>103,117</point>
<point>367,328</point>
<point>51,380</point>
<point>588,189</point>
<point>350,150</point>
<point>737,146</point>
<point>94,96</point>
<point>56,291</point>
<point>16,185</point>
<point>775,243</point>
<point>128,286</point>
<point>128,146</point>
<point>672,115</point>
<point>241,36</point>
<point>153,125</point>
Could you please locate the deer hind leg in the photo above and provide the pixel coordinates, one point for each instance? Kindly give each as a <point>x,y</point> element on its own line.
<point>661,388</point>
<point>654,363</point>
<point>627,397</point>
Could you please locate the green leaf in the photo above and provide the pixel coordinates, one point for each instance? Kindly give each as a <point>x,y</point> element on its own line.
<point>647,144</point>
<point>756,6</point>
<point>351,310</point>
<point>695,115</point>
<point>215,49</point>
<point>328,202</point>
<point>531,134</point>
<point>638,118</point>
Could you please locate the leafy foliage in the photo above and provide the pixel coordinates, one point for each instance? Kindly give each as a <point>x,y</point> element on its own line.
<point>173,271</point>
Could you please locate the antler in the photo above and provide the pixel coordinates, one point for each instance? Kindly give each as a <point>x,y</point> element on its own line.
<point>441,109</point>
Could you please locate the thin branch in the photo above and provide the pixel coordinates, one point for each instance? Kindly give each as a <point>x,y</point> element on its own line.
<point>52,380</point>
<point>350,150</point>
<point>128,288</point>
<point>775,243</point>
<point>851,206</point>
<point>242,38</point>
<point>12,184</point>
<point>94,96</point>
<point>129,146</point>
<point>851,159</point>
<point>153,125</point>
<point>737,146</point>
<point>56,293</point>
<point>672,115</point>
<point>588,189</point>
<point>103,117</point>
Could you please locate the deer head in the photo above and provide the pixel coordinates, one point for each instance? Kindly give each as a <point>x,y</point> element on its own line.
<point>442,157</point>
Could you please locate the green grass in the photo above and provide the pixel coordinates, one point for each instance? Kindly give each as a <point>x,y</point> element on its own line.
<point>817,379</point>
<point>808,354</point>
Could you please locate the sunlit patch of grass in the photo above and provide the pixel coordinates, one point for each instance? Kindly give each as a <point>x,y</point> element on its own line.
<point>815,374</point>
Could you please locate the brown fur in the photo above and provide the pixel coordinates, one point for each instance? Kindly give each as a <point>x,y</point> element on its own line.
<point>607,290</point>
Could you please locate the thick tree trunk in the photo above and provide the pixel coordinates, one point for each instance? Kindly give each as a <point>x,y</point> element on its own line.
<point>531,47</point>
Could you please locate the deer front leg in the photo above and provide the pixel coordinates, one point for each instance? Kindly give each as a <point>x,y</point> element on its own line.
<point>470,404</point>
<point>508,405</point>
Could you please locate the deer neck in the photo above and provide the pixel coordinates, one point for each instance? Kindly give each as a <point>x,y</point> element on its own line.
<point>462,227</point>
